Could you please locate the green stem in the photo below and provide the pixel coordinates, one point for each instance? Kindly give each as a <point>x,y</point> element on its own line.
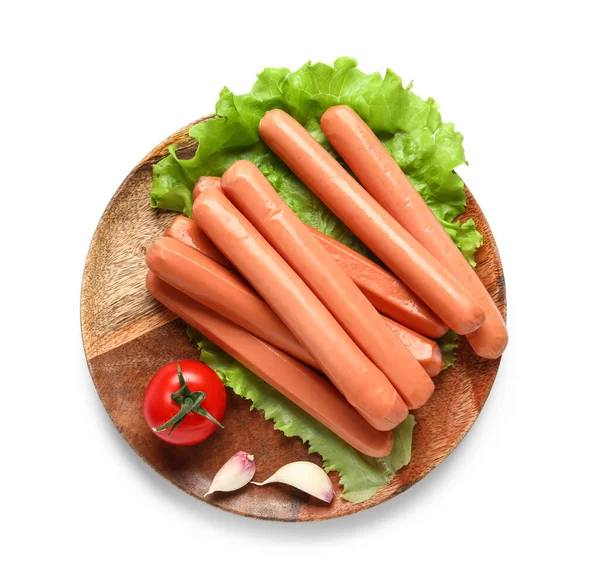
<point>189,402</point>
<point>186,408</point>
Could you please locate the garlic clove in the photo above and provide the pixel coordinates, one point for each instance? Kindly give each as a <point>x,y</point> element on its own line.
<point>235,473</point>
<point>305,476</point>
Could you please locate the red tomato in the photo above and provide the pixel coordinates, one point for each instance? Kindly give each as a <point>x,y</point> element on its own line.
<point>160,406</point>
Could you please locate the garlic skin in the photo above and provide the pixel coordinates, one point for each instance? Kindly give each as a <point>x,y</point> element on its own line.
<point>235,473</point>
<point>305,476</point>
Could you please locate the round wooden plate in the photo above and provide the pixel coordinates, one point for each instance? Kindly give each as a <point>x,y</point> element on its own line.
<point>127,336</point>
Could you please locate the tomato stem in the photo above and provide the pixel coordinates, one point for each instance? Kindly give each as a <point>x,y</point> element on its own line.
<point>189,402</point>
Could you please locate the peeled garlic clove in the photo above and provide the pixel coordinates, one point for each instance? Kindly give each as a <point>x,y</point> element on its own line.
<point>305,476</point>
<point>235,473</point>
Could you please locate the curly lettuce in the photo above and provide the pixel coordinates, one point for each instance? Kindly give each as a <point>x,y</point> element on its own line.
<point>427,150</point>
<point>411,128</point>
<point>360,476</point>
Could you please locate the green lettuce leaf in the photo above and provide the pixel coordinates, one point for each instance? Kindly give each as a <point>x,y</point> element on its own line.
<point>448,344</point>
<point>466,236</point>
<point>427,149</point>
<point>360,476</point>
<point>411,128</point>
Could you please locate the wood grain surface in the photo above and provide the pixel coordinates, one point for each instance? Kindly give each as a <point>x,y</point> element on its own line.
<point>127,336</point>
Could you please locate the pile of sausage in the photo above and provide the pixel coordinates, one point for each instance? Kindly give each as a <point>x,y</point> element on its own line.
<point>287,301</point>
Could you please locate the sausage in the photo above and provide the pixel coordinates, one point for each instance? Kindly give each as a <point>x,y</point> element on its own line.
<point>383,289</point>
<point>222,291</point>
<point>245,186</point>
<point>384,180</point>
<point>301,385</point>
<point>355,376</point>
<point>205,182</point>
<point>425,357</point>
<point>403,254</point>
<point>188,232</point>
<point>426,351</point>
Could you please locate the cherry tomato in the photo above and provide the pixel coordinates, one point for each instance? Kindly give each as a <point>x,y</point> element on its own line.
<point>202,393</point>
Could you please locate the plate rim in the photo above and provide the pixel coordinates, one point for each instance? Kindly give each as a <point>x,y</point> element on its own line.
<point>183,141</point>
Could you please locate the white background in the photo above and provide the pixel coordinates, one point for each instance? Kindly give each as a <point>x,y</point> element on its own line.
<point>89,88</point>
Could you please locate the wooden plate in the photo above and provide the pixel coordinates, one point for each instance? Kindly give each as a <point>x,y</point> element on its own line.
<point>127,336</point>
